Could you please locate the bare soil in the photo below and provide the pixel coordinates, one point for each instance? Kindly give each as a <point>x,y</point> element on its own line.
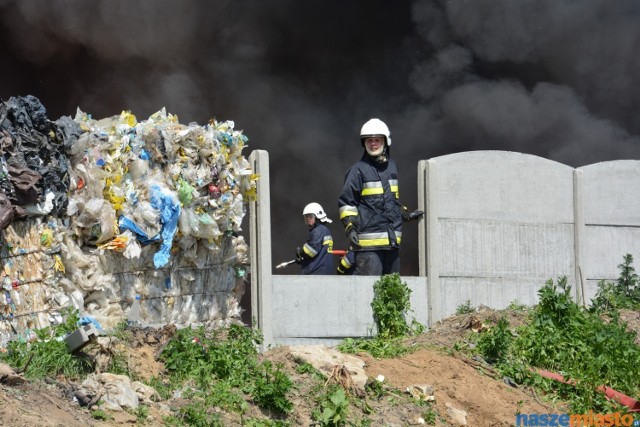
<point>458,382</point>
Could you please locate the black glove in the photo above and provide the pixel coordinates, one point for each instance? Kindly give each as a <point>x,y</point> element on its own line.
<point>352,235</point>
<point>408,215</point>
<point>299,257</point>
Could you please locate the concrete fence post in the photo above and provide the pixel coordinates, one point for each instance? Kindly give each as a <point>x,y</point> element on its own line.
<point>433,253</point>
<point>579,230</point>
<point>422,225</point>
<point>260,232</point>
<point>422,236</point>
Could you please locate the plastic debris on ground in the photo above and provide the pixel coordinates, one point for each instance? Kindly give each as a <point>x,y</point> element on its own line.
<point>95,212</point>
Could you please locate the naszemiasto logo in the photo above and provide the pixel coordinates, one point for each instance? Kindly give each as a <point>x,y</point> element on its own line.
<point>590,419</point>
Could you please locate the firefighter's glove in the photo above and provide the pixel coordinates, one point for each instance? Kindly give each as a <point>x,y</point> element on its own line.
<point>299,257</point>
<point>408,215</point>
<point>352,236</point>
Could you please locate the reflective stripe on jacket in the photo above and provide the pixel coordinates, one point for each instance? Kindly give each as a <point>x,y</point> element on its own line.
<point>370,195</point>
<point>317,257</point>
<point>347,263</point>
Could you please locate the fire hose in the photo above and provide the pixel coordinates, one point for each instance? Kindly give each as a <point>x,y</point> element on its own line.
<point>336,252</point>
<point>629,402</point>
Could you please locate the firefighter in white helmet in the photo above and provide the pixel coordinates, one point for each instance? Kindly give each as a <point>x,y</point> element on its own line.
<point>369,205</point>
<point>315,255</point>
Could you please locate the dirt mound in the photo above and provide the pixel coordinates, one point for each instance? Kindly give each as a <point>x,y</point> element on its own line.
<point>459,383</point>
<point>41,404</point>
<point>487,401</point>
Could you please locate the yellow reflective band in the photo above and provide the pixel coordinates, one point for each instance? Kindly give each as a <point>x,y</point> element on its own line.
<point>372,191</point>
<point>309,250</point>
<point>345,214</point>
<point>374,242</point>
<point>377,239</point>
<point>395,188</point>
<point>327,242</point>
<point>371,188</point>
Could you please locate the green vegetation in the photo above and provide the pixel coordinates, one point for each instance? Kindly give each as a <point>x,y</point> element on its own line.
<point>333,409</point>
<point>380,347</point>
<point>48,354</point>
<point>101,415</point>
<point>142,413</point>
<point>195,414</point>
<point>391,303</point>
<point>219,373</point>
<point>564,337</point>
<point>495,345</point>
<point>465,308</point>
<point>429,415</point>
<point>222,370</point>
<point>624,293</point>
<point>516,306</point>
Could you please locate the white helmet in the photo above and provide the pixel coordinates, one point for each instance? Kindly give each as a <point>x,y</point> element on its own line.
<point>375,127</point>
<point>316,209</point>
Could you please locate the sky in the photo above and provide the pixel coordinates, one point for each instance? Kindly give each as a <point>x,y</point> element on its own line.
<point>556,79</point>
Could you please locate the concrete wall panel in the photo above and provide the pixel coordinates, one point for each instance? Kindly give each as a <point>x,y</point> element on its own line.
<point>611,193</point>
<point>591,289</point>
<point>496,293</point>
<point>504,224</point>
<point>611,216</point>
<point>484,248</point>
<point>606,247</point>
<point>502,185</point>
<point>332,307</point>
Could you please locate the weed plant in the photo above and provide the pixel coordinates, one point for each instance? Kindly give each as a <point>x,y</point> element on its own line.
<point>378,346</point>
<point>101,415</point>
<point>515,305</point>
<point>333,409</point>
<point>465,308</point>
<point>624,293</point>
<point>48,354</point>
<point>390,305</point>
<point>429,414</point>
<point>564,337</point>
<point>223,369</point>
<point>495,345</point>
<point>194,414</point>
<point>307,368</point>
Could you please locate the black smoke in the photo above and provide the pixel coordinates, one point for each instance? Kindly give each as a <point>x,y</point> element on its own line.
<point>555,79</point>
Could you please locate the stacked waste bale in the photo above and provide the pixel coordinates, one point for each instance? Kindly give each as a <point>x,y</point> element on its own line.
<point>150,208</point>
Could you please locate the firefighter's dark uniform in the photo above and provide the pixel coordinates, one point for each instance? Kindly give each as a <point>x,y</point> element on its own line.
<point>369,201</point>
<point>316,253</point>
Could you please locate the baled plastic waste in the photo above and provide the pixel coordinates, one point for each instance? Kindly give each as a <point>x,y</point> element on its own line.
<point>151,208</point>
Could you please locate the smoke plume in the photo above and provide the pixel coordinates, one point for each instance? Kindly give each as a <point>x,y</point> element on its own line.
<point>554,79</point>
